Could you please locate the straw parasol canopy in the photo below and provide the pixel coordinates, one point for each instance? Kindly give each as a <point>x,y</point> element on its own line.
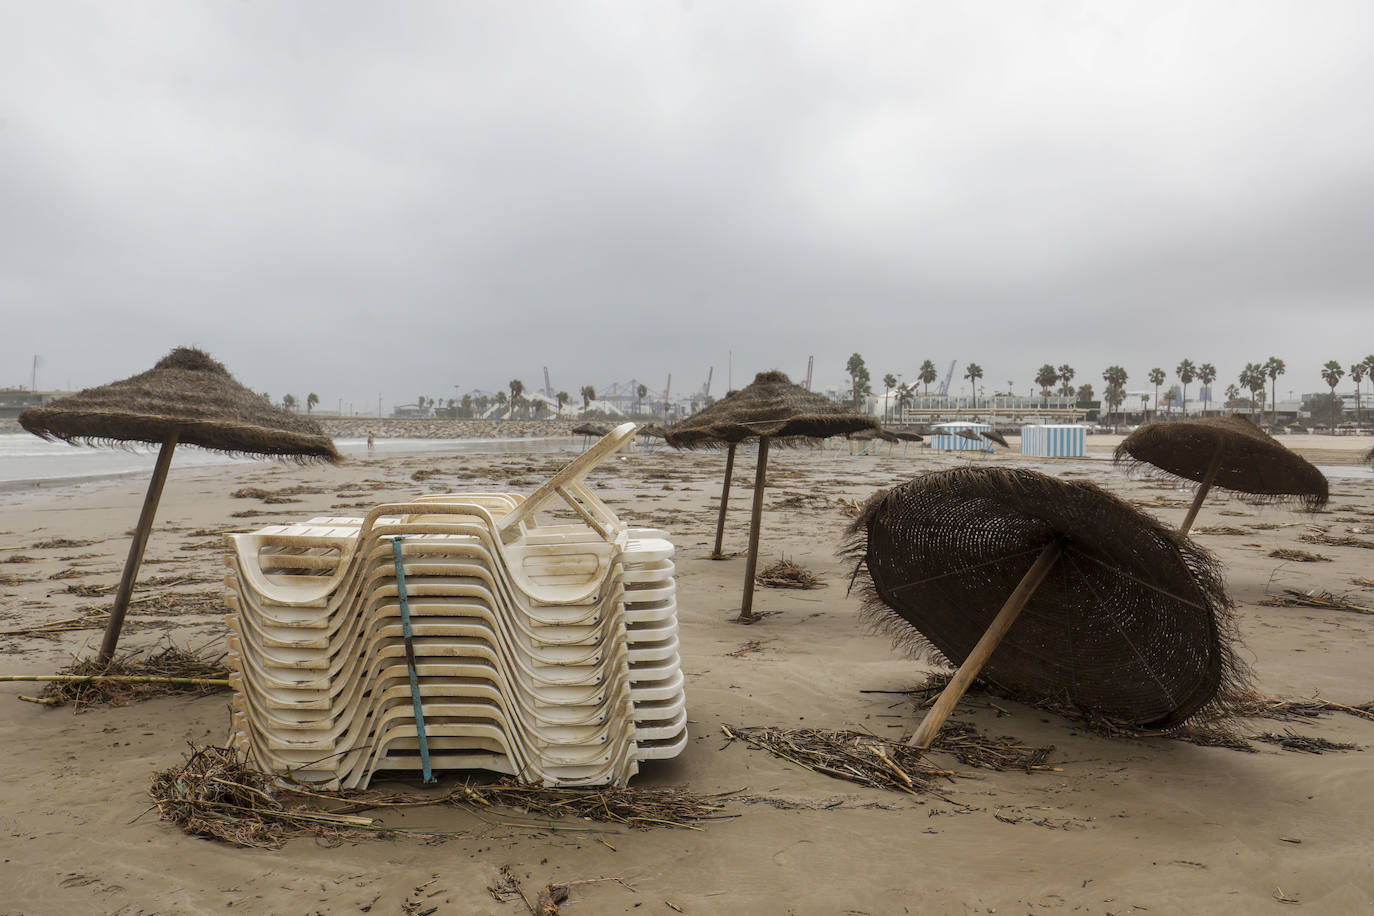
<point>994,436</point>
<point>1130,620</point>
<point>1230,452</point>
<point>187,397</point>
<point>591,429</point>
<point>909,437</point>
<point>651,431</point>
<point>769,408</point>
<point>189,393</point>
<point>1369,459</point>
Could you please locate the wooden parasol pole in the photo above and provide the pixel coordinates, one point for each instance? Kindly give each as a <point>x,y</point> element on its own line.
<point>724,501</point>
<point>982,651</point>
<point>746,609</point>
<point>145,528</point>
<point>1202,489</point>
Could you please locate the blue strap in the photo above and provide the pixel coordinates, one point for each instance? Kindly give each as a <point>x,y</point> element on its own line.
<point>410,659</point>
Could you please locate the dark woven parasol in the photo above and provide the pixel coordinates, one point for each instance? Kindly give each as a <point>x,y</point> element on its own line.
<point>652,431</point>
<point>1230,452</point>
<point>1117,615</point>
<point>993,435</point>
<point>769,408</point>
<point>188,397</point>
<point>591,429</point>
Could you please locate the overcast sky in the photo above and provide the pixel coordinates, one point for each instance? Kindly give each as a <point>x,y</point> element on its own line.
<point>353,198</point>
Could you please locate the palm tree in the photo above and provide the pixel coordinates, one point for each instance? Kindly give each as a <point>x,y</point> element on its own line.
<point>1252,377</point>
<point>1115,377</point>
<point>1066,374</point>
<point>889,382</point>
<point>311,400</point>
<point>502,399</point>
<point>973,373</point>
<point>588,395</point>
<point>640,391</point>
<point>1207,374</point>
<point>1157,376</point>
<point>1186,372</point>
<point>1046,378</point>
<point>1333,373</point>
<point>858,378</point>
<point>1085,394</point>
<point>903,398</point>
<point>288,401</point>
<point>1357,371</point>
<point>1232,393</point>
<point>561,398</point>
<point>928,374</point>
<point>1274,368</point>
<point>517,388</point>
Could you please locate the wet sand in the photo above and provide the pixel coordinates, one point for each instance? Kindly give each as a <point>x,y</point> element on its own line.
<point>1123,826</point>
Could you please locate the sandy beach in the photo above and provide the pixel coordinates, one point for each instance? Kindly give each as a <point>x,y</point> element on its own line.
<point>1118,826</point>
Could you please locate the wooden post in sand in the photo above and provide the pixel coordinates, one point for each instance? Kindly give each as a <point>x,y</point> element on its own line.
<point>131,565</point>
<point>1202,489</point>
<point>982,651</point>
<point>746,609</point>
<point>724,501</point>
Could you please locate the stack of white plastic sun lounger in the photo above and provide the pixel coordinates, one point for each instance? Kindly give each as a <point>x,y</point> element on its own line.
<point>454,632</point>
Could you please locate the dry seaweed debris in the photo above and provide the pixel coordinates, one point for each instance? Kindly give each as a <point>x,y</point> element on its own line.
<point>1294,598</point>
<point>215,793</point>
<point>787,574</point>
<point>1298,556</point>
<point>185,668</point>
<point>1222,529</point>
<point>881,763</point>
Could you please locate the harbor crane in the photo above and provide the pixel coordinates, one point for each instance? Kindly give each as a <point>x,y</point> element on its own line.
<point>943,390</point>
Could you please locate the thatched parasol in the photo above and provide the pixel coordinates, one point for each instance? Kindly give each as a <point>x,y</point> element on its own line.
<point>591,429</point>
<point>769,408</point>
<point>1369,459</point>
<point>187,397</point>
<point>993,435</point>
<point>1230,452</point>
<point>1117,614</point>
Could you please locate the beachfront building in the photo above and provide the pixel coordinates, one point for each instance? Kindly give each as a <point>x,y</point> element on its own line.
<point>14,401</point>
<point>1001,411</point>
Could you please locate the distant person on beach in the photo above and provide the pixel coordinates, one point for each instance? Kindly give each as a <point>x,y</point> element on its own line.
<point>371,442</point>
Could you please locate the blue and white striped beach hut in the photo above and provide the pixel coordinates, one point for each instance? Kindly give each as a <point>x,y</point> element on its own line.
<point>1057,440</point>
<point>947,437</point>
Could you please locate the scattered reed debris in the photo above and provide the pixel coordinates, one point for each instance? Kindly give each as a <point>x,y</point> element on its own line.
<point>216,794</point>
<point>1229,530</point>
<point>134,676</point>
<point>1314,598</point>
<point>1290,740</point>
<point>633,806</point>
<point>61,544</point>
<point>1298,556</point>
<point>1362,583</point>
<point>1328,540</point>
<point>787,574</point>
<point>881,763</point>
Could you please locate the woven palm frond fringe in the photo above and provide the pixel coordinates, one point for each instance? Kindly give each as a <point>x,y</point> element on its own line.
<point>1253,462</point>
<point>1132,623</point>
<point>773,406</point>
<point>190,393</point>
